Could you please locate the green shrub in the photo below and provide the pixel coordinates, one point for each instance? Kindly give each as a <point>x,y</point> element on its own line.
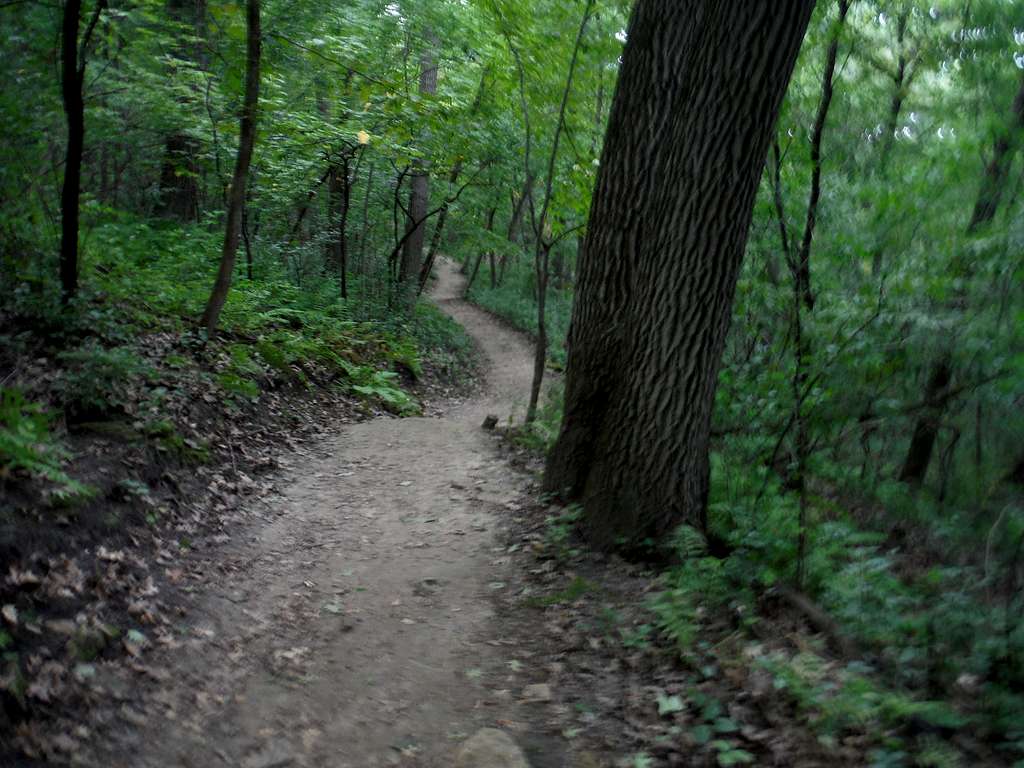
<point>513,301</point>
<point>99,381</point>
<point>27,444</point>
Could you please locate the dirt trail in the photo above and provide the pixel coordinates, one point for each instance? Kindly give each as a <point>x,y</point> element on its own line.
<point>355,628</point>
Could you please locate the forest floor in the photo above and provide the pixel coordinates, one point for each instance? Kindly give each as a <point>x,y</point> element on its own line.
<point>353,623</point>
<point>395,586</point>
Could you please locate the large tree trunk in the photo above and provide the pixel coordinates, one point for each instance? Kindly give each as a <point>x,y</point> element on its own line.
<point>667,229</point>
<point>236,197</point>
<point>993,183</point>
<point>419,194</point>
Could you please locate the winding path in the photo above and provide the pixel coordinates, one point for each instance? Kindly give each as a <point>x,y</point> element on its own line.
<point>354,628</point>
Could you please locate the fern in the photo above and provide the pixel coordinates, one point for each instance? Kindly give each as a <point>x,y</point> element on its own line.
<point>27,445</point>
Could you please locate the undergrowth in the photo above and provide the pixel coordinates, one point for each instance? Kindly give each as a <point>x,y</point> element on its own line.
<point>513,300</point>
<point>144,280</point>
<point>941,647</point>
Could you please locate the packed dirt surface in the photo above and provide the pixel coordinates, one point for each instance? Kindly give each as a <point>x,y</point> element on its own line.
<point>352,625</point>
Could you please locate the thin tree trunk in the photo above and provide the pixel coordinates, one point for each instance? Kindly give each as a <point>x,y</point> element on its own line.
<point>800,269</point>
<point>73,60</point>
<point>515,223</point>
<point>365,227</point>
<point>236,197</point>
<point>332,247</point>
<point>993,184</point>
<point>558,269</point>
<point>310,196</point>
<point>803,273</point>
<point>419,192</point>
<point>665,239</point>
<point>926,429</point>
<point>543,248</point>
<point>479,257</point>
<point>997,172</point>
<point>346,197</point>
<point>435,239</point>
<point>901,82</point>
<point>442,217</point>
<point>248,243</point>
<point>179,179</point>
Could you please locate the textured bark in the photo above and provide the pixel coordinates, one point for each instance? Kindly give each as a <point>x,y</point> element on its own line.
<point>697,98</point>
<point>236,196</point>
<point>419,191</point>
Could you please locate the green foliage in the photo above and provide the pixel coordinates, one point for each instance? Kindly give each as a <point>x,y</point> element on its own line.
<point>382,386</point>
<point>576,589</point>
<point>513,300</point>
<point>540,434</point>
<point>439,341</point>
<point>97,380</point>
<point>842,700</point>
<point>27,444</point>
<point>690,591</point>
<point>560,530</point>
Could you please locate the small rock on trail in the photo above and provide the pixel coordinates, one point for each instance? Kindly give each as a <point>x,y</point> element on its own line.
<point>490,748</point>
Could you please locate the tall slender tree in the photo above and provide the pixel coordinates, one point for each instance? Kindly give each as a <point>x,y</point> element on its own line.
<point>990,194</point>
<point>236,196</point>
<point>419,187</point>
<point>542,240</point>
<point>73,59</point>
<point>696,101</point>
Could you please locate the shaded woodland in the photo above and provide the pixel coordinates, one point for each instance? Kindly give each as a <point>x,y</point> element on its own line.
<point>769,256</point>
